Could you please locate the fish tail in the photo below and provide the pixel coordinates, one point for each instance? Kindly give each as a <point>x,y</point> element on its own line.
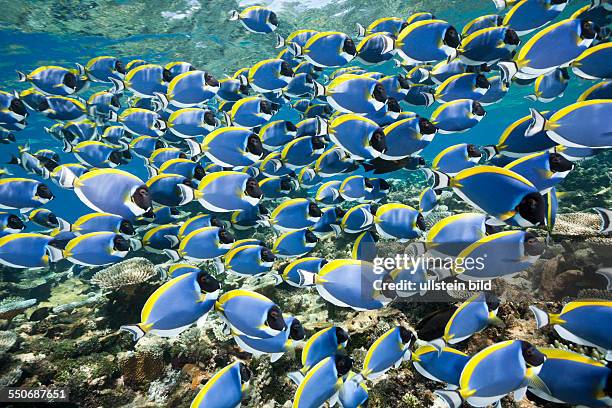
<point>4,171</point>
<point>296,49</point>
<point>322,126</point>
<point>542,317</point>
<point>538,123</point>
<point>234,15</point>
<point>296,376</point>
<point>416,249</point>
<point>508,70</point>
<point>113,116</point>
<point>195,148</point>
<point>532,97</point>
<point>151,171</point>
<point>440,180</point>
<point>63,224</point>
<point>607,274</point>
<point>491,151</point>
<point>319,89</point>
<point>228,119</point>
<point>494,320</point>
<point>438,344</point>
<point>187,194</point>
<point>55,254</point>
<point>278,279</point>
<point>67,147</point>
<point>137,331</point>
<point>307,278</point>
<point>280,41</point>
<point>118,86</point>
<point>162,101</point>
<point>606,219</point>
<point>499,4</point>
<point>451,398</point>
<point>21,77</point>
<point>172,254</point>
<point>361,31</point>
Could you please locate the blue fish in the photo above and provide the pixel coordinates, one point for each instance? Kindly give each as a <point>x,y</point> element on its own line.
<point>226,191</point>
<point>527,16</point>
<point>398,222</point>
<point>388,351</point>
<point>370,142</point>
<point>294,243</point>
<point>249,260</point>
<point>207,243</point>
<point>427,40</point>
<point>327,49</point>
<point>549,86</point>
<point>593,62</point>
<point>23,194</point>
<point>274,346</point>
<point>27,250</point>
<point>322,383</point>
<point>443,365</point>
<point>98,248</point>
<point>544,170</point>
<point>358,218</point>
<point>457,116</point>
<point>290,272</point>
<point>256,19</point>
<point>455,158</point>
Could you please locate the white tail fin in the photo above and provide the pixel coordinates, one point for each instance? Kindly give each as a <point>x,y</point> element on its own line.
<point>280,41</point>
<point>322,126</point>
<point>66,178</point>
<point>499,4</point>
<point>80,68</point>
<point>538,123</point>
<point>135,244</point>
<point>135,330</point>
<point>186,193</point>
<point>163,100</point>
<point>113,116</point>
<point>307,278</point>
<point>416,249</point>
<point>63,224</point>
<point>296,376</point>
<point>438,344</point>
<point>541,317</point>
<point>361,31</point>
<point>195,149</point>
<point>278,279</point>
<point>429,98</point>
<point>491,151</point>
<point>389,44</point>
<point>606,273</point>
<point>296,49</point>
<point>319,89</point>
<point>172,254</point>
<point>234,15</point>
<point>151,171</point>
<point>21,77</point>
<point>508,71</point>
<point>55,254</point>
<point>606,220</point>
<point>531,97</point>
<point>440,180</point>
<point>452,399</point>
<point>228,119</point>
<point>67,146</point>
<point>118,86</point>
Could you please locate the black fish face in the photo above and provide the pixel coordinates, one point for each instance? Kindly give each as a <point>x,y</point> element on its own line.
<point>500,20</point>
<point>420,222</point>
<point>43,191</point>
<point>115,157</point>
<point>373,209</point>
<point>426,127</point>
<point>285,69</point>
<point>119,67</point>
<point>275,319</point>
<point>343,364</point>
<point>511,37</point>
<point>564,73</point>
<point>115,101</point>
<point>121,244</point>
<point>142,197</point>
<point>198,172</point>
<point>380,93</point>
<point>341,335</point>
<point>159,144</point>
<point>126,227</point>
<point>406,335</point>
<point>211,80</point>
<point>253,189</point>
<point>43,105</point>
<point>296,331</point>
<point>290,127</point>
<point>472,151</point>
<point>588,30</point>
<point>265,107</point>
<point>383,185</point>
<point>215,222</point>
<point>393,105</point>
<point>314,210</point>
<point>174,211</point>
<point>377,141</point>
<point>477,109</point>
<point>70,80</point>
<point>263,210</point>
<point>339,212</point>
<point>349,47</point>
<point>532,208</point>
<point>209,118</point>
<point>318,142</point>
<point>52,219</point>
<point>254,145</point>
<point>285,184</point>
<point>166,75</point>
<point>404,25</point>
<point>207,283</point>
<point>225,237</point>
<point>14,222</point>
<point>368,183</point>
<point>533,357</point>
<point>18,107</point>
<point>310,237</point>
<point>403,82</point>
<point>273,19</point>
<point>558,163</point>
<point>245,373</point>
<point>492,301</point>
<point>532,246</point>
<point>452,37</point>
<point>149,215</point>
<point>482,82</point>
<point>267,255</point>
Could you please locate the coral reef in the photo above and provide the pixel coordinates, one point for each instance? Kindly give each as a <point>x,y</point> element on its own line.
<point>126,274</point>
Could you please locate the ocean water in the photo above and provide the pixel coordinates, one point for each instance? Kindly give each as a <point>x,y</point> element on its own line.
<point>110,371</point>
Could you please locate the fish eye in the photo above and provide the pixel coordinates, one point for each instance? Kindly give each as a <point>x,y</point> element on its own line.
<point>198,172</point>
<point>451,37</point>
<point>273,19</point>
<point>119,67</point>
<point>426,127</point>
<point>380,93</point>
<point>341,335</point>
<point>343,364</point>
<point>406,335</point>
<point>262,209</point>
<point>120,243</point>
<point>473,151</point>
<point>310,237</point>
<point>70,80</point>
<point>207,283</point>
<point>349,46</point>
<point>18,107</point>
<point>267,255</point>
<point>477,109</point>
<point>420,222</point>
<point>245,373</point>
<point>368,183</point>
<point>290,126</point>
<point>225,237</point>
<point>43,191</point>
<point>482,81</point>
<point>511,37</point>
<point>558,163</point>
<point>314,210</point>
<point>211,80</point>
<point>403,81</point>
<point>167,75</point>
<point>126,227</point>
<point>253,189</point>
<point>254,145</point>
<point>297,331</point>
<point>14,222</point>
<point>393,105</point>
<point>209,118</point>
<point>275,319</point>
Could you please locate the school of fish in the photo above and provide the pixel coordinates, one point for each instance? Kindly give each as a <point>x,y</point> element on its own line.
<point>216,155</point>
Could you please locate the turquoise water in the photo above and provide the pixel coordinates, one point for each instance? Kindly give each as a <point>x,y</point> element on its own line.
<point>44,33</point>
